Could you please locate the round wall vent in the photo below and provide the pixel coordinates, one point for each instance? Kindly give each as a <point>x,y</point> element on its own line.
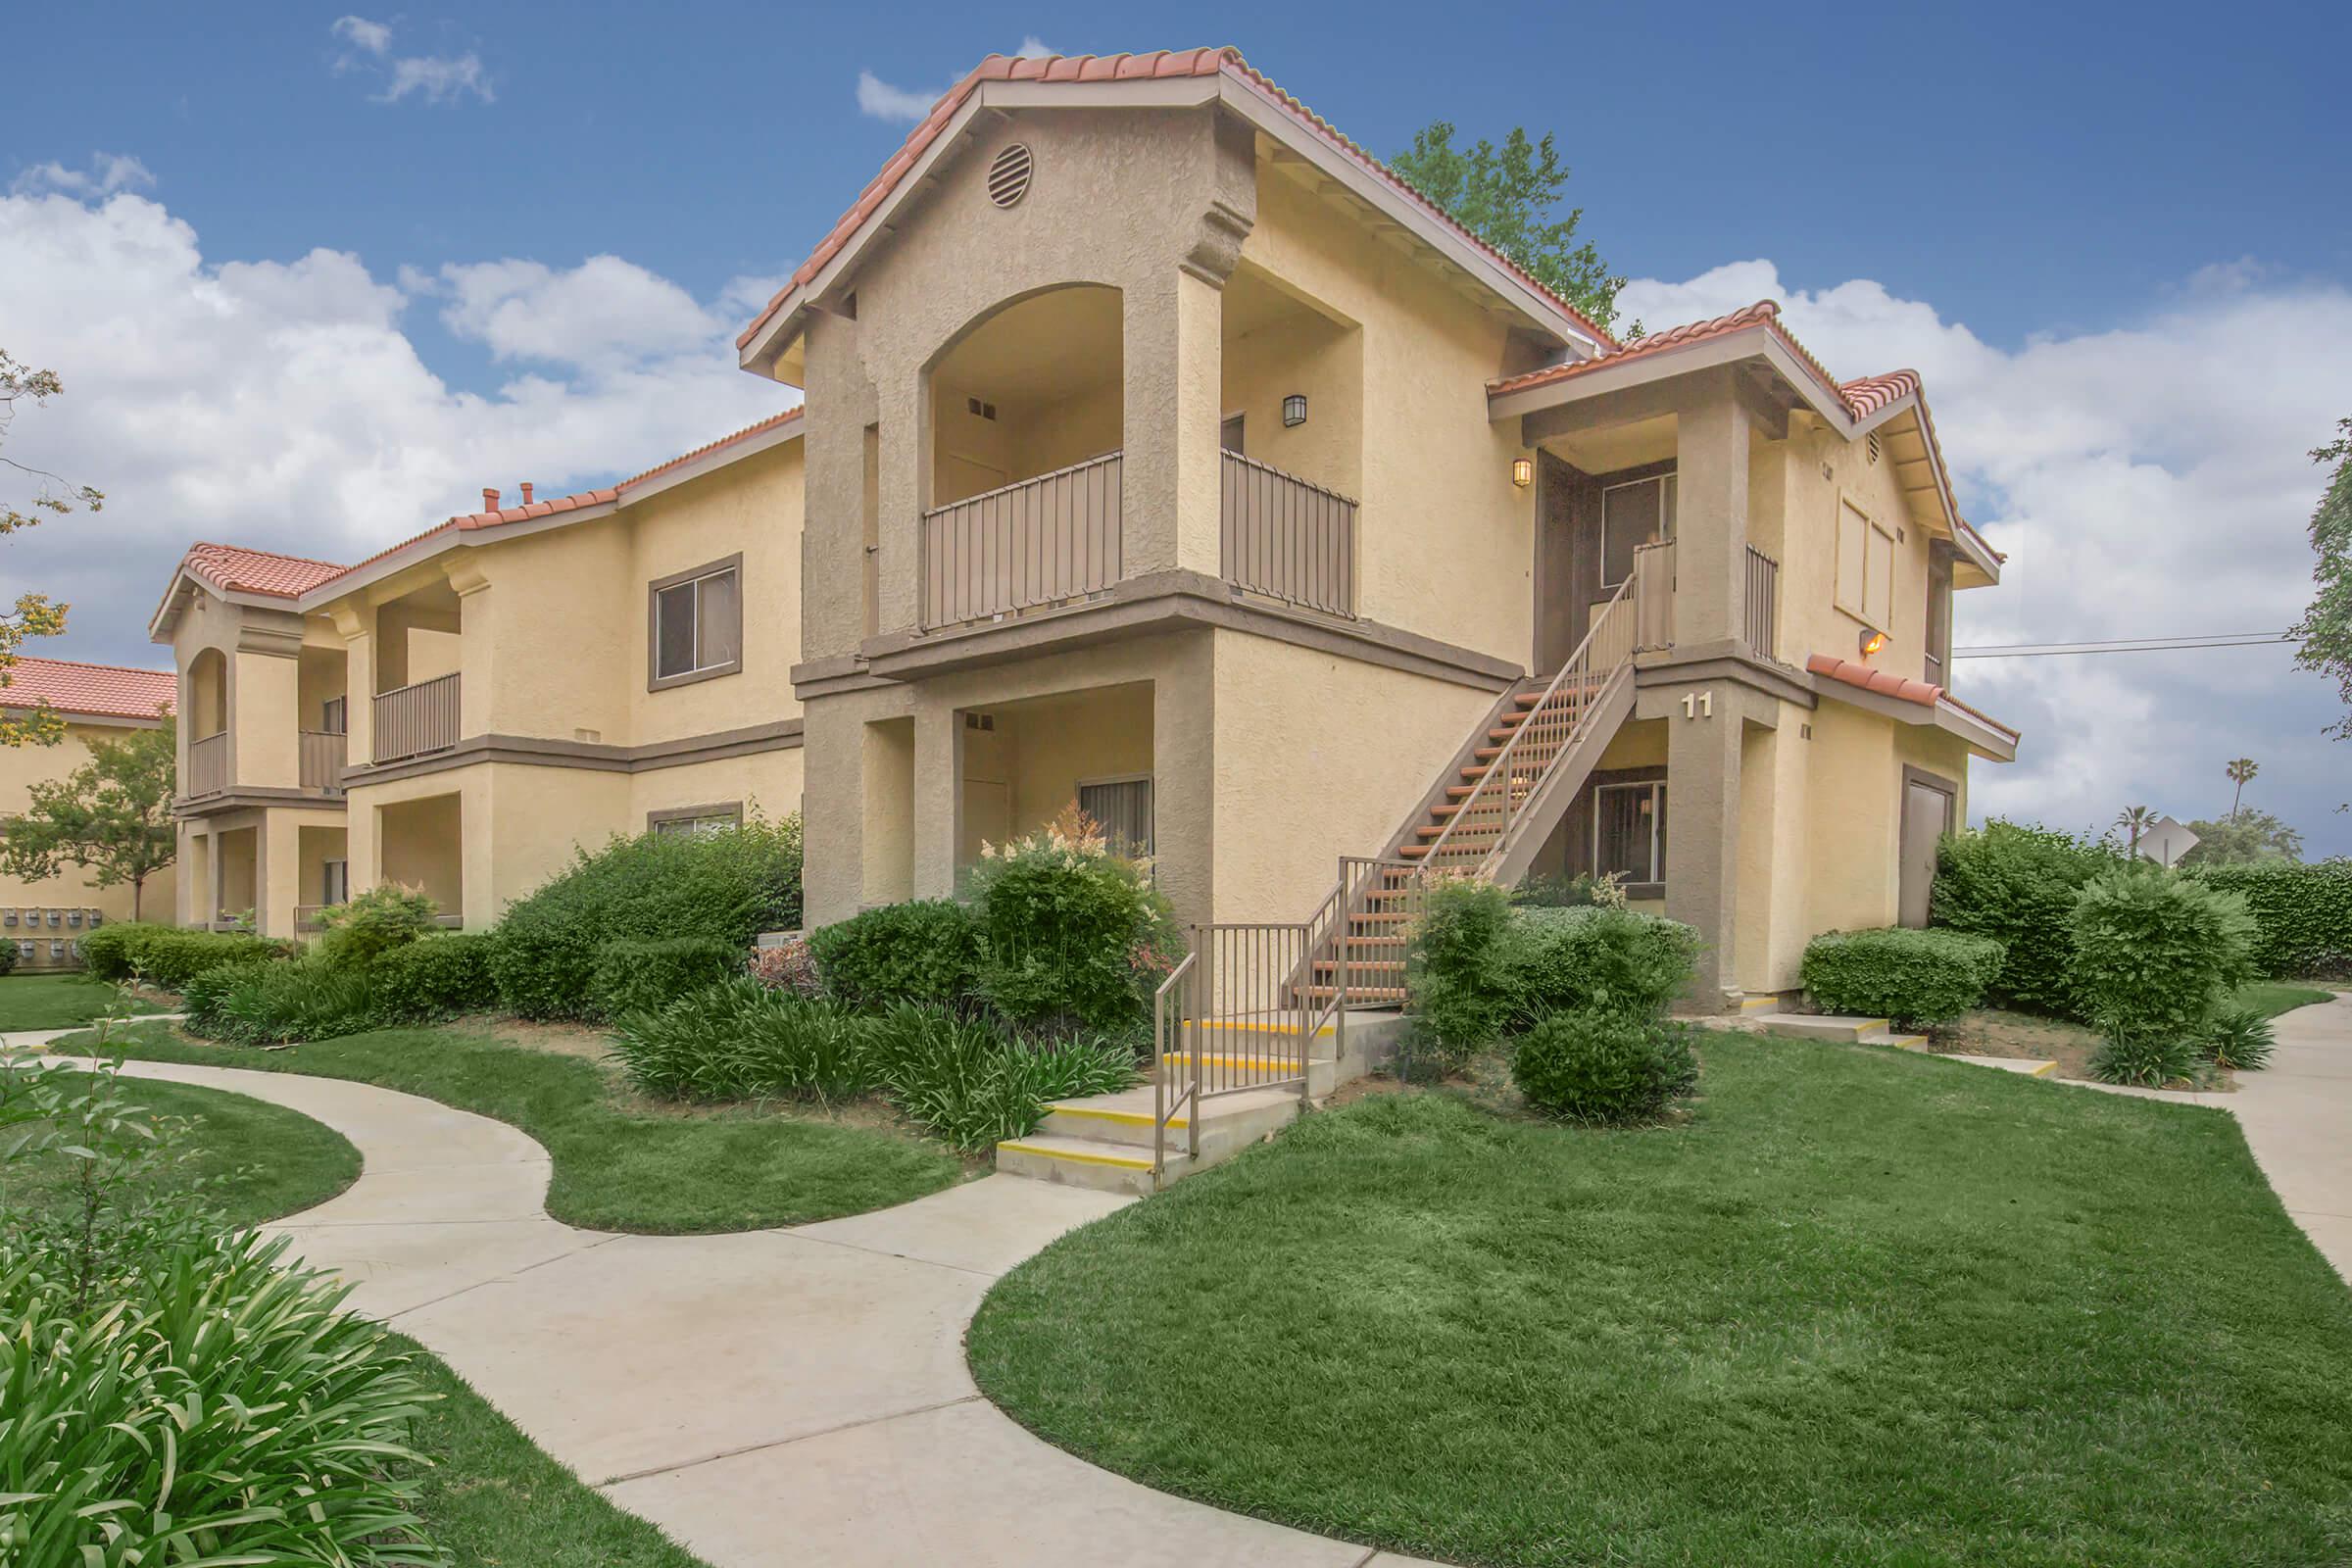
<point>1009,176</point>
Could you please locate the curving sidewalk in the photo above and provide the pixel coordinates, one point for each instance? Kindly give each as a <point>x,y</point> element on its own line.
<point>780,1397</point>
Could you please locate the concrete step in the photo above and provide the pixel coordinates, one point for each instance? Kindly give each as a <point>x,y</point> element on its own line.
<point>1124,1118</point>
<point>1824,1026</point>
<point>1090,1163</point>
<point>1222,1067</point>
<point>2018,1065</point>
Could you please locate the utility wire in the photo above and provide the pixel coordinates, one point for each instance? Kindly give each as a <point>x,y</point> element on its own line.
<point>2128,645</point>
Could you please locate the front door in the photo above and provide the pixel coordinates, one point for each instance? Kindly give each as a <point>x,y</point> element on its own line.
<point>1926,818</point>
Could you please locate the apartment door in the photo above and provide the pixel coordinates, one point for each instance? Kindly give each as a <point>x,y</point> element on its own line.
<point>1928,810</point>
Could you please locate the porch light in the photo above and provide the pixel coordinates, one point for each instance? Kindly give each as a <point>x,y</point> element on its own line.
<point>1871,642</point>
<point>1523,471</point>
<point>1294,410</point>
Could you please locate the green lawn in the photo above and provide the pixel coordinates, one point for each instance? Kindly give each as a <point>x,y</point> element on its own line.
<point>1863,1308</point>
<point>2271,997</point>
<point>615,1169</point>
<point>55,1000</point>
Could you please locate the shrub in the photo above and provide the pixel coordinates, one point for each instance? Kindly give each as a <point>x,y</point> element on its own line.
<point>738,1039</point>
<point>373,923</point>
<point>644,975</point>
<point>727,886</point>
<point>973,1087</point>
<point>1584,890</point>
<point>1603,1068</point>
<point>437,976</point>
<point>2302,914</point>
<point>2155,953</point>
<point>2149,1060</point>
<point>1457,976</point>
<point>2240,1039</point>
<point>112,952</point>
<point>171,958</point>
<point>271,1003</point>
<point>1594,959</point>
<point>925,949</point>
<point>2018,883</point>
<point>790,965</point>
<point>1072,938</point>
<point>8,958</point>
<point>1914,977</point>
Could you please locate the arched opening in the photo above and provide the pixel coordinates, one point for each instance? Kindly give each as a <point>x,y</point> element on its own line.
<point>1035,387</point>
<point>208,694</point>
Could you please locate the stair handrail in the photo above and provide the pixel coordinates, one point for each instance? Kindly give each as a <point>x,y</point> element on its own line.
<point>1501,768</point>
<point>1164,1110</point>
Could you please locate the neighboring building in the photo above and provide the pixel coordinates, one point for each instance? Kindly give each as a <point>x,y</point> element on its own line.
<point>1166,452</point>
<point>97,702</point>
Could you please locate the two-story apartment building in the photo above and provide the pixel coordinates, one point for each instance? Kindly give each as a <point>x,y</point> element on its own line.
<point>45,921</point>
<point>1166,453</point>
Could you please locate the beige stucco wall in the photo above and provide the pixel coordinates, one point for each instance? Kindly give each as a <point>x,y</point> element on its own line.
<point>1810,620</point>
<point>767,783</point>
<point>21,768</point>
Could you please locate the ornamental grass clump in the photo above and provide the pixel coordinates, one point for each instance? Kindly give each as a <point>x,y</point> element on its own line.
<point>973,1085</point>
<point>2242,1040</point>
<point>738,1039</point>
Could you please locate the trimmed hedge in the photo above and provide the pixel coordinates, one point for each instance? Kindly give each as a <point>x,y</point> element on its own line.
<point>2156,953</point>
<point>1596,960</point>
<point>1603,1069</point>
<point>2302,914</point>
<point>645,974</point>
<point>167,956</point>
<point>923,951</point>
<point>1914,977</point>
<point>728,887</point>
<point>436,976</point>
<point>2017,884</point>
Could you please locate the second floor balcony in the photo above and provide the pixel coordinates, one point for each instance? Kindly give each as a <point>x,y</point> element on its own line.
<point>416,719</point>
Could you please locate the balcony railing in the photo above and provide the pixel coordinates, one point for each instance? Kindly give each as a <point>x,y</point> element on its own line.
<point>411,720</point>
<point>1286,538</point>
<point>1763,613</point>
<point>1035,543</point>
<point>208,765</point>
<point>322,753</point>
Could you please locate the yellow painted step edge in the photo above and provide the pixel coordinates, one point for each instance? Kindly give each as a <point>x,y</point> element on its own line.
<point>2043,1070</point>
<point>1219,1058</point>
<point>1083,1159</point>
<point>1126,1118</point>
<point>1263,1028</point>
<point>1768,1002</point>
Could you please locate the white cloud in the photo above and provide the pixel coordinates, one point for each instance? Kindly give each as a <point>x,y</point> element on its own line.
<point>879,100</point>
<point>281,403</point>
<point>437,78</point>
<point>2151,479</point>
<point>107,174</point>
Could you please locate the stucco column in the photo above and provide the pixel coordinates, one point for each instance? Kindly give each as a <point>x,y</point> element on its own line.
<point>1703,736</point>
<point>278,874</point>
<point>358,689</point>
<point>1174,356</point>
<point>1710,567</point>
<point>1184,780</point>
<point>478,897</point>
<point>938,792</point>
<point>477,679</point>
<point>212,860</point>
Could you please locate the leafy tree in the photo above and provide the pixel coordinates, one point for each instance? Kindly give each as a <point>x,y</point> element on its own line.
<point>112,817</point>
<point>2242,772</point>
<point>34,615</point>
<point>2242,835</point>
<point>2134,820</point>
<point>2325,629</point>
<point>1509,197</point>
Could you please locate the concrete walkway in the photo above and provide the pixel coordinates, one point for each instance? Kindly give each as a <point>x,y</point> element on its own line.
<point>783,1397</point>
<point>2297,1117</point>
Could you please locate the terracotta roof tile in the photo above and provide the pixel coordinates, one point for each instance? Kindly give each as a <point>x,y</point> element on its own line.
<point>109,691</point>
<point>1156,63</point>
<point>233,568</point>
<point>1901,688</point>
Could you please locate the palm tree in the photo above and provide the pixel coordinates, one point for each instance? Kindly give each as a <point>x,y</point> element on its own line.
<point>2135,820</point>
<point>2241,772</point>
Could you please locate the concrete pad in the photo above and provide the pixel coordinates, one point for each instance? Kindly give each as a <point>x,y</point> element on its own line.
<point>959,1485</point>
<point>398,1268</point>
<point>985,1226</point>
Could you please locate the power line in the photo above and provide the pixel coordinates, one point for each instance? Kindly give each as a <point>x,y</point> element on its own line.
<point>2128,645</point>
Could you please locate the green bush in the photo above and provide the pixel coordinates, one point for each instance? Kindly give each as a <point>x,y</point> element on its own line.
<point>2148,1061</point>
<point>1072,938</point>
<point>437,976</point>
<point>8,956</point>
<point>2240,1039</point>
<point>1913,977</point>
<point>1596,960</point>
<point>1582,891</point>
<point>924,949</point>
<point>969,1085</point>
<point>1603,1068</point>
<point>113,950</point>
<point>171,958</point>
<point>373,923</point>
<point>645,974</point>
<point>2302,914</point>
<point>1458,979</point>
<point>728,887</point>
<point>2017,884</point>
<point>740,1040</point>
<point>2156,953</point>
<point>271,1003</point>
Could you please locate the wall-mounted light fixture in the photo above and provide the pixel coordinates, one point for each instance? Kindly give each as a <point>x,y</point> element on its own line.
<point>1523,471</point>
<point>1294,410</point>
<point>1871,642</point>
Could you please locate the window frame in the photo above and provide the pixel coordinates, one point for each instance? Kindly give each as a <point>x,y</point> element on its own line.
<point>1668,516</point>
<point>1653,886</point>
<point>1151,807</point>
<point>683,819</point>
<point>655,680</point>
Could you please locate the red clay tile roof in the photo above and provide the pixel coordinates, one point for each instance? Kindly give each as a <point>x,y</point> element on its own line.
<point>1156,63</point>
<point>108,691</point>
<point>1872,393</point>
<point>1860,398</point>
<point>1949,700</point>
<point>233,568</point>
<point>1901,688</point>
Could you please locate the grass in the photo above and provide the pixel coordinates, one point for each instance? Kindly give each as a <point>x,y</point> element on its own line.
<point>1862,1307</point>
<point>615,1169</point>
<point>55,1000</point>
<point>2271,997</point>
<point>258,1161</point>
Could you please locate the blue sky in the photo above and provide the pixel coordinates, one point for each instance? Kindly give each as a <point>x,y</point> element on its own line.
<point>2066,216</point>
